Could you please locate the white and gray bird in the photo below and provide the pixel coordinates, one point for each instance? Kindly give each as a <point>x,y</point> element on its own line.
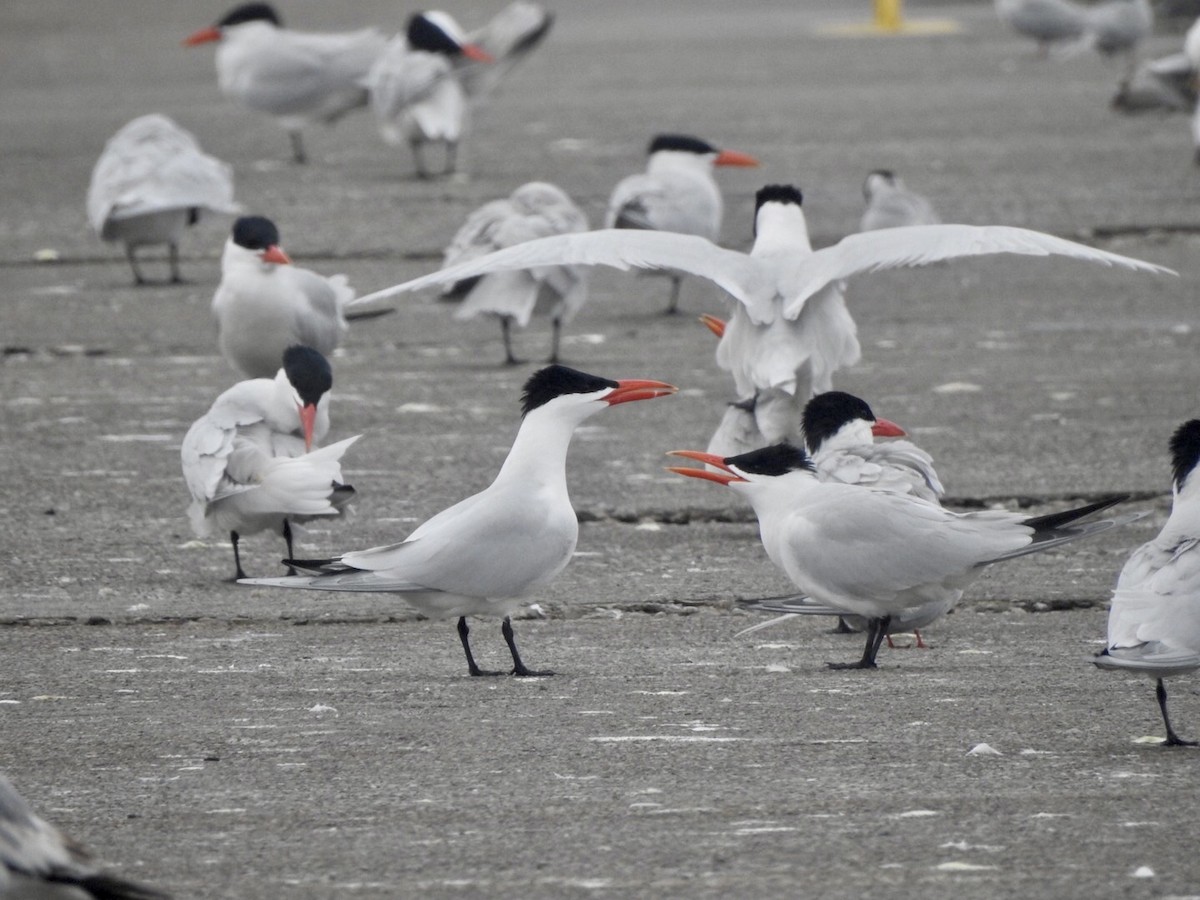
<point>677,192</point>
<point>508,38</point>
<point>839,434</point>
<point>39,862</point>
<point>1112,27</point>
<point>876,553</point>
<point>890,203</point>
<point>249,461</point>
<point>264,304</point>
<point>536,209</point>
<point>151,182</point>
<point>1154,619</point>
<point>1163,85</point>
<point>789,331</point>
<point>487,553</point>
<point>299,78</point>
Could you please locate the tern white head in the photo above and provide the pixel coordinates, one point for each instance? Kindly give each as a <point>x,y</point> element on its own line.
<point>487,553</point>
<point>1154,619</point>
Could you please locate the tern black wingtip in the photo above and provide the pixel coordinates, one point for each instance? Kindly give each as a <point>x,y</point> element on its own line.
<point>1066,517</point>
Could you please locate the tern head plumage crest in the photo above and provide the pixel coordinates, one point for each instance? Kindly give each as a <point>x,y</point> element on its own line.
<point>308,372</point>
<point>434,32</point>
<point>684,143</point>
<point>255,233</point>
<point>778,459</point>
<point>553,381</point>
<point>251,12</point>
<point>776,193</point>
<point>825,414</point>
<point>1185,451</point>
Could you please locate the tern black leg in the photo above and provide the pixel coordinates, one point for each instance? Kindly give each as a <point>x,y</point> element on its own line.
<point>464,633</point>
<point>842,627</point>
<point>876,632</point>
<point>173,257</point>
<point>299,157</point>
<point>287,536</point>
<point>1173,740</point>
<point>451,159</point>
<point>506,333</point>
<point>237,558</point>
<point>556,336</point>
<point>418,151</point>
<point>673,303</point>
<point>519,668</point>
<point>138,279</point>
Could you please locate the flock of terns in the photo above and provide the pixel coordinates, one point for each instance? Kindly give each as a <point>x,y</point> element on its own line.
<point>847,508</point>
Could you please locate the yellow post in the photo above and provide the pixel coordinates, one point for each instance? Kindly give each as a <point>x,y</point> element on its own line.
<point>889,14</point>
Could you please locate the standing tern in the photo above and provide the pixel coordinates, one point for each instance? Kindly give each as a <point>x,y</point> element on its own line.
<point>39,862</point>
<point>891,204</point>
<point>1154,620</point>
<point>790,329</point>
<point>839,435</point>
<point>533,210</point>
<point>875,553</point>
<point>1111,27</point>
<point>264,304</point>
<point>678,192</point>
<point>416,95</point>
<point>485,554</point>
<point>249,463</point>
<point>297,77</point>
<point>150,183</point>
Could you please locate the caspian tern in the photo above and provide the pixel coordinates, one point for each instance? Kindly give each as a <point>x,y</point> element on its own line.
<point>486,553</point>
<point>877,553</point>
<point>249,463</point>
<point>533,210</point>
<point>39,861</point>
<point>415,92</point>
<point>790,329</point>
<point>508,38</point>
<point>264,304</point>
<point>150,183</point>
<point>1154,620</point>
<point>678,192</point>
<point>890,204</point>
<point>297,77</point>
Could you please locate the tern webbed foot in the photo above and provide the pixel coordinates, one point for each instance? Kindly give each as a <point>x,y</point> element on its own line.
<point>1173,740</point>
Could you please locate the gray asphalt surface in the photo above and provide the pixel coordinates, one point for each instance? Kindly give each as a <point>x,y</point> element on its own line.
<point>240,743</point>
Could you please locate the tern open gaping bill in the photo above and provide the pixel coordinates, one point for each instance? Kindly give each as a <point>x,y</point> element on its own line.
<point>151,182</point>
<point>485,554</point>
<point>39,862</point>
<point>297,77</point>
<point>247,461</point>
<point>1154,620</point>
<point>877,553</point>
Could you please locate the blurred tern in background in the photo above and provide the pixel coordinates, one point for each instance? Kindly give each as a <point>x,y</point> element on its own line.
<point>533,210</point>
<point>424,84</point>
<point>1111,27</point>
<point>890,204</point>
<point>39,862</point>
<point>1154,620</point>
<point>790,329</point>
<point>485,554</point>
<point>876,553</point>
<point>264,304</point>
<point>150,183</point>
<point>297,77</point>
<point>249,463</point>
<point>677,192</point>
